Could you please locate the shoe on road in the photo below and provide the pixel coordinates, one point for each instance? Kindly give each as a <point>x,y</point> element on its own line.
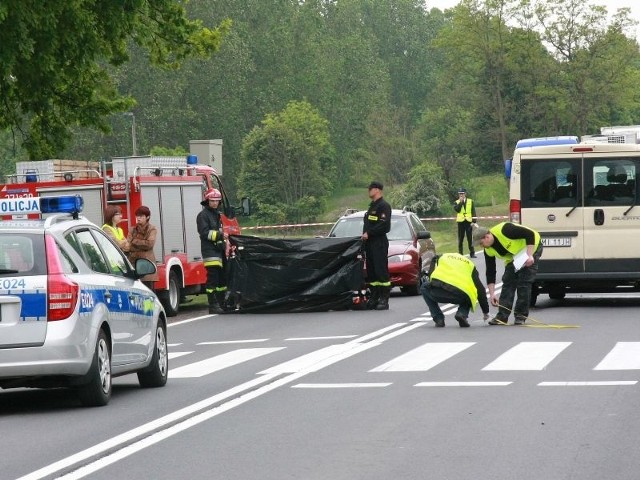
<point>462,321</point>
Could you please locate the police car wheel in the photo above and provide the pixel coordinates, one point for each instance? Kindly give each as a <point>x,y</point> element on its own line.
<point>97,391</point>
<point>155,375</point>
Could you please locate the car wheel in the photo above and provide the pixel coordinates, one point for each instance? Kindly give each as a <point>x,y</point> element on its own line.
<point>97,392</point>
<point>170,298</point>
<point>155,375</point>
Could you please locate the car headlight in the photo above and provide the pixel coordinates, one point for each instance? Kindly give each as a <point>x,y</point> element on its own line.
<point>399,258</point>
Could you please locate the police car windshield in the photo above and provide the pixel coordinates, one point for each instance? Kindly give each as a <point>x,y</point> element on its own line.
<point>352,227</point>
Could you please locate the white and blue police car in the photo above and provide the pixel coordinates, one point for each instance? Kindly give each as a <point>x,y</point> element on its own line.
<point>73,311</point>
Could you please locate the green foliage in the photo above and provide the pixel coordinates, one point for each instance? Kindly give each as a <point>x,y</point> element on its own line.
<point>289,162</point>
<point>424,193</point>
<point>178,151</point>
<point>53,72</point>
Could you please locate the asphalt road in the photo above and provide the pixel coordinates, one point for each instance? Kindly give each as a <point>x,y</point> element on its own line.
<point>357,395</point>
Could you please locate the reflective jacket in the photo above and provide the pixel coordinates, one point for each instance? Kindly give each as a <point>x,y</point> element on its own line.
<point>457,270</point>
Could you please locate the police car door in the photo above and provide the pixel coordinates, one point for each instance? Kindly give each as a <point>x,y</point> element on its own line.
<point>132,304</point>
<point>611,217</point>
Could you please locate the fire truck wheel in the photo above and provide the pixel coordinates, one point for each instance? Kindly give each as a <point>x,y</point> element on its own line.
<point>170,298</point>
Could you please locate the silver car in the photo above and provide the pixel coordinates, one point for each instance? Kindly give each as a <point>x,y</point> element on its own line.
<point>73,311</point>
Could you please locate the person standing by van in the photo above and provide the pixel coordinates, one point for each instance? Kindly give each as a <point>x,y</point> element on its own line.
<point>510,241</point>
<point>466,216</point>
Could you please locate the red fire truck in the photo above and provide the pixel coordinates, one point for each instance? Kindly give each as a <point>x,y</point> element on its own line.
<point>172,188</point>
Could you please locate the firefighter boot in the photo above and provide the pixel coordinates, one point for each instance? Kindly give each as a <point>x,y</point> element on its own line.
<point>374,296</point>
<point>214,307</point>
<point>221,299</point>
<point>383,301</point>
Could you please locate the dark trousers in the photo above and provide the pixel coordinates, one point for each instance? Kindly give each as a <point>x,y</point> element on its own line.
<point>215,280</point>
<point>377,251</point>
<point>433,295</point>
<point>517,285</point>
<point>464,228</point>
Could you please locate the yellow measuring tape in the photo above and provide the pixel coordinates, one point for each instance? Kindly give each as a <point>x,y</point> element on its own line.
<point>536,323</point>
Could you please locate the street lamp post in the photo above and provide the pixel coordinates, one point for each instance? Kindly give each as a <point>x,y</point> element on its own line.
<point>133,131</point>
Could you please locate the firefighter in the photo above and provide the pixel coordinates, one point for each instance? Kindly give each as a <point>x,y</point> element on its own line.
<point>377,223</point>
<point>213,247</point>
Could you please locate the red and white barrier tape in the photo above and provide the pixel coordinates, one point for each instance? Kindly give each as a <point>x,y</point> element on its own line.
<point>299,225</point>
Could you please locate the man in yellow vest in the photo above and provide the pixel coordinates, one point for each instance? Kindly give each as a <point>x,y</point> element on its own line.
<point>453,278</point>
<point>465,217</point>
<point>520,248</point>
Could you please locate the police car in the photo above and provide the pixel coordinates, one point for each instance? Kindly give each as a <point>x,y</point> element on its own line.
<point>73,311</point>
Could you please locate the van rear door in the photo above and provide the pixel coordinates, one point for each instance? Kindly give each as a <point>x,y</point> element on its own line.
<point>551,203</point>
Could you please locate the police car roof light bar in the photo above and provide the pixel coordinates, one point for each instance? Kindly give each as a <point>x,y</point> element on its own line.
<point>72,204</point>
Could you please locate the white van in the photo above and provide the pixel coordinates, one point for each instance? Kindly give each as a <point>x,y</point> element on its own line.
<point>583,199</point>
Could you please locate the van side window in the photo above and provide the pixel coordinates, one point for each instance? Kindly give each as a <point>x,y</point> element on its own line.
<point>550,183</point>
<point>610,182</point>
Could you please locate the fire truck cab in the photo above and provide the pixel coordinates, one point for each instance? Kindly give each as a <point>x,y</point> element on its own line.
<point>172,188</point>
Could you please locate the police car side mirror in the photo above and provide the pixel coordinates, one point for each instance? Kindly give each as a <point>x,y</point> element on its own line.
<point>144,267</point>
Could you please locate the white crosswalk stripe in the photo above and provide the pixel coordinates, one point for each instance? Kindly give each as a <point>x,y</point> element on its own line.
<point>624,356</point>
<point>528,356</point>
<point>423,358</point>
<point>219,362</point>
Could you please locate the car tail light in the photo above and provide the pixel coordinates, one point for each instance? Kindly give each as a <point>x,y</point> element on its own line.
<point>514,211</point>
<point>62,293</point>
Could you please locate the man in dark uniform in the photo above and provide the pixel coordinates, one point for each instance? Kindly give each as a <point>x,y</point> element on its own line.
<point>377,223</point>
<point>213,247</point>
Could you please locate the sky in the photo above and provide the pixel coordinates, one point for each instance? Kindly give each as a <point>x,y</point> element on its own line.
<point>612,6</point>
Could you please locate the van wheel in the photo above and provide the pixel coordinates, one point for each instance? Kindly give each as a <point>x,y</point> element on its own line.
<point>155,375</point>
<point>97,392</point>
<point>170,298</point>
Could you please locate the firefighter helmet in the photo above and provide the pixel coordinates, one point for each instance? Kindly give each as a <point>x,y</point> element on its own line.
<point>213,194</point>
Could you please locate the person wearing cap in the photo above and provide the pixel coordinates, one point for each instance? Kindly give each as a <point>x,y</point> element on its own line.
<point>465,216</point>
<point>507,240</point>
<point>142,239</point>
<point>213,244</point>
<point>453,278</point>
<point>377,223</point>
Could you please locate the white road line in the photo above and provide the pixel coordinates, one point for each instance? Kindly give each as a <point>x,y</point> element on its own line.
<point>528,356</point>
<point>462,384</point>
<point>249,393</point>
<point>173,355</point>
<point>341,385</point>
<point>219,362</point>
<point>230,342</point>
<point>313,361</point>
<point>423,358</point>
<point>623,356</point>
<point>173,344</point>
<point>188,320</point>
<point>588,384</point>
<point>335,337</point>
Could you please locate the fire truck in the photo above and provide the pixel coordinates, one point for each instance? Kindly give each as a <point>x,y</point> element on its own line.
<point>172,188</point>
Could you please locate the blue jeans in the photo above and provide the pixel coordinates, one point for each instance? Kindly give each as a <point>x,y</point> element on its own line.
<point>433,295</point>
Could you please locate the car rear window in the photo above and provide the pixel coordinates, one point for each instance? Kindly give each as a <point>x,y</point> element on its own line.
<point>21,255</point>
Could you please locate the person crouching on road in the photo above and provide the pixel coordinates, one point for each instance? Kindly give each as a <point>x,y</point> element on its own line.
<point>453,278</point>
<point>377,223</point>
<point>142,239</point>
<point>504,241</point>
<point>213,246</point>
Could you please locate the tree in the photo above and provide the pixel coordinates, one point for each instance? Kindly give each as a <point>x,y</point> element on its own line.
<point>54,57</point>
<point>425,193</point>
<point>288,164</point>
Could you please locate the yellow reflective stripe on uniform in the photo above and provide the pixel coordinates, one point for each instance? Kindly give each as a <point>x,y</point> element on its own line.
<point>380,284</point>
<point>221,289</point>
<point>373,218</point>
<point>213,263</point>
<point>212,235</point>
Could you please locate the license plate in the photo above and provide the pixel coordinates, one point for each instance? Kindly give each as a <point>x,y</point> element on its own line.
<point>556,241</point>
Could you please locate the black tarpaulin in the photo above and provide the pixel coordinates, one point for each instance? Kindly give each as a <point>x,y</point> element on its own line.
<point>303,275</point>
